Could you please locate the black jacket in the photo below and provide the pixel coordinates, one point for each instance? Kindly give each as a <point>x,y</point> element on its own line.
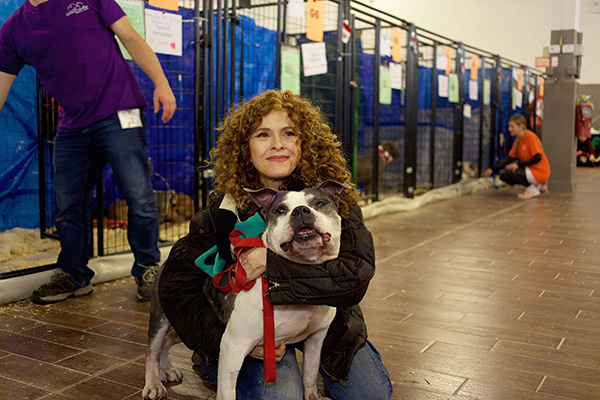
<point>340,283</point>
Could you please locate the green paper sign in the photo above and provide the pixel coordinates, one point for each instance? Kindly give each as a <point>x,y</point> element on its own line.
<point>486,92</point>
<point>290,69</point>
<point>385,89</point>
<point>135,12</point>
<point>453,88</point>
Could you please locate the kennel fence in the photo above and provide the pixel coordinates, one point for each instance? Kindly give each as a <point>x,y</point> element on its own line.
<point>232,51</point>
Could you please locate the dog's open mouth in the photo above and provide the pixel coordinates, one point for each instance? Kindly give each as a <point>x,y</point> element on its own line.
<point>305,234</point>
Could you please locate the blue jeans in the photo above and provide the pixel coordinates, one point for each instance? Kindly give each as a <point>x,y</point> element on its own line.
<point>79,158</point>
<point>368,379</point>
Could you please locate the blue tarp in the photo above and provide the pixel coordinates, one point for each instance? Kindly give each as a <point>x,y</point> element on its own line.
<point>19,203</point>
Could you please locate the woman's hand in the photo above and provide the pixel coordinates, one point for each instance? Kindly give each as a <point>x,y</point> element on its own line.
<point>259,351</point>
<point>254,262</point>
<point>488,172</point>
<point>512,167</point>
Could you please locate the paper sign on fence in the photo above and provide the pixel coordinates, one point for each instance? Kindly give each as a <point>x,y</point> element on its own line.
<point>163,32</point>
<point>135,12</point>
<point>385,91</point>
<point>443,86</point>
<point>396,76</point>
<point>314,20</point>
<point>166,4</point>
<point>314,59</point>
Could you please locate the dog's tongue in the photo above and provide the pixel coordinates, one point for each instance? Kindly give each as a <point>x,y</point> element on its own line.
<point>303,235</point>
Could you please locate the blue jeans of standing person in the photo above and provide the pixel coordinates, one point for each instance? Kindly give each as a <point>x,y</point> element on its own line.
<point>79,158</point>
<point>368,379</point>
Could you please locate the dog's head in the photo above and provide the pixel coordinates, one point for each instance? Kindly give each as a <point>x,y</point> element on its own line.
<point>390,149</point>
<point>305,226</point>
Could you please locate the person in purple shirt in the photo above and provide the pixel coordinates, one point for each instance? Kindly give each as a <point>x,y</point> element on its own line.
<point>72,46</point>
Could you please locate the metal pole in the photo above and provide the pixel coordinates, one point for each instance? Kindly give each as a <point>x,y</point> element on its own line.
<point>481,116</point>
<point>434,90</point>
<point>234,24</point>
<point>410,138</point>
<point>278,48</point>
<point>457,155</point>
<point>199,110</point>
<point>375,153</point>
<point>339,76</point>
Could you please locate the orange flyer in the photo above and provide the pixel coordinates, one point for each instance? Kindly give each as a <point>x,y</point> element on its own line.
<point>314,20</point>
<point>474,67</point>
<point>397,45</point>
<point>166,4</point>
<point>448,60</point>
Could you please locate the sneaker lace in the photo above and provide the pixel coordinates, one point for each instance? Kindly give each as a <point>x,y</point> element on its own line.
<point>150,274</point>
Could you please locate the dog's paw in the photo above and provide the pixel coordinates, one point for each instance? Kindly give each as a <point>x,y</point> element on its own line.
<point>172,375</point>
<point>154,391</point>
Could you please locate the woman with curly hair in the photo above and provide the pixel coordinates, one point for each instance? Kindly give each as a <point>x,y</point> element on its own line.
<point>283,142</point>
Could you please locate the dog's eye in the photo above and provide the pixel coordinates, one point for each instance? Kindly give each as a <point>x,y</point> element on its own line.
<point>280,210</point>
<point>320,203</point>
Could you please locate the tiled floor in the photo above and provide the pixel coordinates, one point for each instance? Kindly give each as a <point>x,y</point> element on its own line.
<point>479,297</point>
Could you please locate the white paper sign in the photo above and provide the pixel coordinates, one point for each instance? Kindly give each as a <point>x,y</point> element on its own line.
<point>396,76</point>
<point>441,62</point>
<point>163,32</point>
<point>385,46</point>
<point>518,98</point>
<point>296,8</point>
<point>554,61</point>
<point>467,110</point>
<point>443,85</point>
<point>473,90</point>
<point>314,59</point>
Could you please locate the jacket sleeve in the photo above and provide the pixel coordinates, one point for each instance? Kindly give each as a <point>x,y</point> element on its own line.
<point>341,282</point>
<point>533,160</point>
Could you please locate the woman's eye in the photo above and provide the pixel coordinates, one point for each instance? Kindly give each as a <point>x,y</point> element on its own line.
<point>289,133</point>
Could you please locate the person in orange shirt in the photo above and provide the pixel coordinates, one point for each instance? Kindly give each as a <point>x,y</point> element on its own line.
<point>526,163</point>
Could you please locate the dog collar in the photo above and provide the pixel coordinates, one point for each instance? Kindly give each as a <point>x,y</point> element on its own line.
<point>385,155</point>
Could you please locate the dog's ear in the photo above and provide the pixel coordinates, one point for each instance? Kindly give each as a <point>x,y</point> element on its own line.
<point>333,189</point>
<point>263,197</point>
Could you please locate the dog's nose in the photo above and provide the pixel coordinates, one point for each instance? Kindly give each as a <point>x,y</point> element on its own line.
<point>300,210</point>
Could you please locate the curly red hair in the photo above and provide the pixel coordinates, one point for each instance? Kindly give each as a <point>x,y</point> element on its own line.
<point>321,158</point>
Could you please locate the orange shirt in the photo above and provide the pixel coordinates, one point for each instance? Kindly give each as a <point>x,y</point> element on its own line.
<point>528,146</point>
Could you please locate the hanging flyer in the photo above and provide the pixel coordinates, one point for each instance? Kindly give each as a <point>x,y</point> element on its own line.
<point>443,86</point>
<point>486,92</point>
<point>453,95</point>
<point>166,4</point>
<point>473,90</point>
<point>135,12</point>
<point>467,111</point>
<point>385,46</point>
<point>290,69</point>
<point>397,45</point>
<point>296,8</point>
<point>385,91</point>
<point>314,59</point>
<point>314,20</point>
<point>396,76</point>
<point>163,32</point>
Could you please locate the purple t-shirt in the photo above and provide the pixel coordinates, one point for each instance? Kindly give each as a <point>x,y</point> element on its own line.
<point>76,55</point>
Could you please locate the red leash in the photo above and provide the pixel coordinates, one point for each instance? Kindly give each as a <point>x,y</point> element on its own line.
<point>237,283</point>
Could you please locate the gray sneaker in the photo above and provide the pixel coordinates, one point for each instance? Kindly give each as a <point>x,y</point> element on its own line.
<point>59,289</point>
<point>145,282</point>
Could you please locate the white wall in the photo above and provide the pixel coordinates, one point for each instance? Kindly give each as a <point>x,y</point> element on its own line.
<point>515,29</point>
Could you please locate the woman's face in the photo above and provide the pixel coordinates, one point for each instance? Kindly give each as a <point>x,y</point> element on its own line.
<point>273,150</point>
<point>515,129</point>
